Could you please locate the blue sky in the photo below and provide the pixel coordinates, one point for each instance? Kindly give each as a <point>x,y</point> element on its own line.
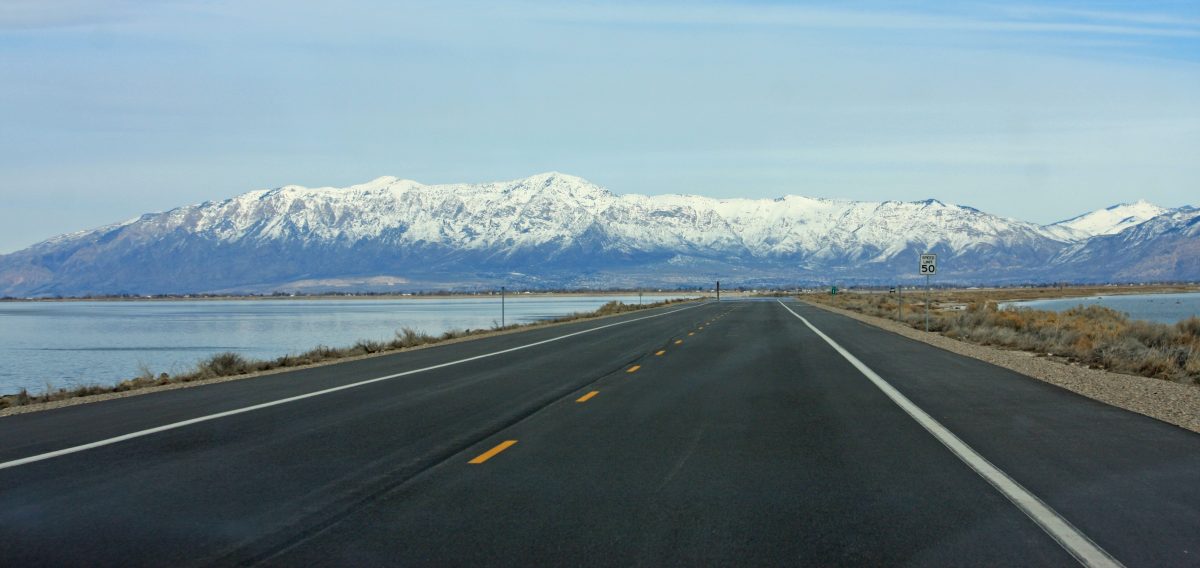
<point>1033,111</point>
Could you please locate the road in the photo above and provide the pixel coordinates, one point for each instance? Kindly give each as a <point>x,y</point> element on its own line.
<point>732,433</point>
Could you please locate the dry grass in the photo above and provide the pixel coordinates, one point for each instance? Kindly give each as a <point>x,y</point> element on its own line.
<point>231,364</point>
<point>984,295</point>
<point>1095,336</point>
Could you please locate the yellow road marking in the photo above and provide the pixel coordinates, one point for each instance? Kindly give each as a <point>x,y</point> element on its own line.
<point>633,369</point>
<point>691,333</point>
<point>678,342</point>
<point>587,396</point>
<point>485,456</point>
<point>660,353</point>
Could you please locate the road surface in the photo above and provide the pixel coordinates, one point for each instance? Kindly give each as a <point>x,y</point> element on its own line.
<point>732,433</point>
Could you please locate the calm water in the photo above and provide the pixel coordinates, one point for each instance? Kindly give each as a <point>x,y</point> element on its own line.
<point>67,344</point>
<point>1165,308</point>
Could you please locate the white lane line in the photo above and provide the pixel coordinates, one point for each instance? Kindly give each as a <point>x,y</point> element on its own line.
<point>181,424</point>
<point>1061,530</point>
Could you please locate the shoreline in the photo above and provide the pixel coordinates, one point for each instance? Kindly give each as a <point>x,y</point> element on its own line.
<point>86,394</point>
<point>1015,294</point>
<point>352,297</point>
<point>1099,296</point>
<point>1095,291</point>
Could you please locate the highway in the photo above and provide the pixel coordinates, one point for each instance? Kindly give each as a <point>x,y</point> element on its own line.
<point>731,433</point>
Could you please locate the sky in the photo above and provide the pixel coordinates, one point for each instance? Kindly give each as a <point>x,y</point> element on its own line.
<point>1039,111</point>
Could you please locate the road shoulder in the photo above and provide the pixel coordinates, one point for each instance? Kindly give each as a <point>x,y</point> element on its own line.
<point>1163,400</point>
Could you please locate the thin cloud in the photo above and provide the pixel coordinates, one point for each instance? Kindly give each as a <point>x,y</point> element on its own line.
<point>1099,23</point>
<point>1153,19</point>
<point>43,14</point>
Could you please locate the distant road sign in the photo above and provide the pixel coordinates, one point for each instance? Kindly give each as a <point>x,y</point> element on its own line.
<point>928,264</point>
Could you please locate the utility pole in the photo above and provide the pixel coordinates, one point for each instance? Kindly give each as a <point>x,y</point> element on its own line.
<point>928,267</point>
<point>926,302</point>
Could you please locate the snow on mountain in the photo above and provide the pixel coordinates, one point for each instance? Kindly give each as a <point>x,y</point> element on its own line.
<point>1166,247</point>
<point>553,229</point>
<point>1112,220</point>
<point>554,208</point>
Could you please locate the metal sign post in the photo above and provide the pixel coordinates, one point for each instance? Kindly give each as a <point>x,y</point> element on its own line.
<point>718,290</point>
<point>928,268</point>
<point>502,314</point>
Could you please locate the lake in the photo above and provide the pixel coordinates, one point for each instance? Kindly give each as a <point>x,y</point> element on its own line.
<point>1163,308</point>
<point>68,344</point>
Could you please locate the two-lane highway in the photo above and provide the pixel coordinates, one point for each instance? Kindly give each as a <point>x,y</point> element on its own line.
<point>730,433</point>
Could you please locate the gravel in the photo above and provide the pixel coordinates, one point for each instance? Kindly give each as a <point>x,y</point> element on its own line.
<point>1173,403</point>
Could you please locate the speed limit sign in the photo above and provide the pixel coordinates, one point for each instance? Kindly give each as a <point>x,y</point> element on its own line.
<point>928,264</point>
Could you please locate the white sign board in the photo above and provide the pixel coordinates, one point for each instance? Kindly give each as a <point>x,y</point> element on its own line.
<point>928,264</point>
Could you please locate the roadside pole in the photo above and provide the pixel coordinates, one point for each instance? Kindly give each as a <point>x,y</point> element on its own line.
<point>502,314</point>
<point>718,290</point>
<point>928,267</point>
<point>900,297</point>
<point>639,297</point>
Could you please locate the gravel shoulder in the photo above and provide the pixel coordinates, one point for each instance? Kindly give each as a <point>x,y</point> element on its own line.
<point>1173,403</point>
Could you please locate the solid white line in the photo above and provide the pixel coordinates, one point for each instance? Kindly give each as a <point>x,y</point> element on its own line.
<point>181,424</point>
<point>1061,530</point>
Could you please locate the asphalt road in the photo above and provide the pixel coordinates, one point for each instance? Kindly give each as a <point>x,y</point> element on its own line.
<point>739,433</point>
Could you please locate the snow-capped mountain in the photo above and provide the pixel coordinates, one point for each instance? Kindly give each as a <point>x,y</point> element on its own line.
<point>1112,220</point>
<point>547,230</point>
<point>1166,247</point>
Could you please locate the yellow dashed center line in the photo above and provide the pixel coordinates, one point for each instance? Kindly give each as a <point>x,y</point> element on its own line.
<point>660,352</point>
<point>485,456</point>
<point>678,342</point>
<point>587,396</point>
<point>691,333</point>
<point>633,369</point>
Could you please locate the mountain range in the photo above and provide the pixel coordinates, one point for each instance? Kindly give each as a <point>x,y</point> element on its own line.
<point>554,230</point>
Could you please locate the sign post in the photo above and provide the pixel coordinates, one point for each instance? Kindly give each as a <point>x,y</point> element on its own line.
<point>928,268</point>
<point>502,322</point>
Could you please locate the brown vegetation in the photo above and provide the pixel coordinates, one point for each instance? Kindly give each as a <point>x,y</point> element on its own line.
<point>1094,336</point>
<point>1049,292</point>
<point>230,364</point>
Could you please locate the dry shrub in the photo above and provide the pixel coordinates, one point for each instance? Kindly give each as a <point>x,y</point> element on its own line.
<point>222,365</point>
<point>1190,327</point>
<point>409,337</point>
<point>1093,335</point>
